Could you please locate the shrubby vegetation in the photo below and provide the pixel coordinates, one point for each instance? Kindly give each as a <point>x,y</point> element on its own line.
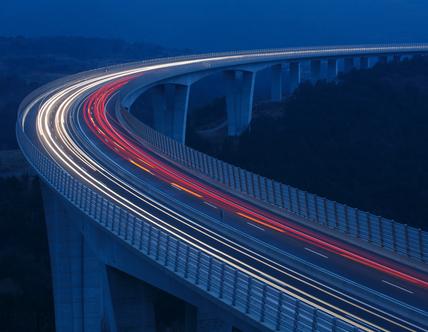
<point>25,282</point>
<point>362,141</point>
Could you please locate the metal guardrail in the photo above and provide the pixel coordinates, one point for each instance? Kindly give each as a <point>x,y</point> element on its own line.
<point>262,303</point>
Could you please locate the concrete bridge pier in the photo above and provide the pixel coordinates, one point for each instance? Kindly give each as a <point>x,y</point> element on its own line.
<point>349,64</point>
<point>159,108</point>
<point>295,76</point>
<point>383,59</point>
<point>315,70</point>
<point>364,62</point>
<point>170,106</point>
<point>89,295</point>
<point>276,83</point>
<point>80,283</point>
<point>239,100</point>
<point>103,285</point>
<point>332,69</point>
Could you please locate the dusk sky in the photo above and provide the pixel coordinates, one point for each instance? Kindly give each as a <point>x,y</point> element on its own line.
<point>222,24</point>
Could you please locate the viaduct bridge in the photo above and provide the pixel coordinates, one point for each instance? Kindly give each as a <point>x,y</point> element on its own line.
<point>133,215</point>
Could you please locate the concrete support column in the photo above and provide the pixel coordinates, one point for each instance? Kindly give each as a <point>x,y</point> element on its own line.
<point>397,58</point>
<point>180,107</point>
<point>348,65</point>
<point>294,75</point>
<point>364,62</point>
<point>332,69</point>
<point>80,287</point>
<point>170,105</point>
<point>315,70</point>
<point>159,108</point>
<point>239,100</point>
<point>276,83</point>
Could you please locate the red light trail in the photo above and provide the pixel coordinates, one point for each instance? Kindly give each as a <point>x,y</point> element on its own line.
<point>96,119</point>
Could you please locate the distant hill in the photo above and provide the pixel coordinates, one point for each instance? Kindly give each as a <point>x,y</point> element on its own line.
<point>26,63</point>
<point>82,48</point>
<point>362,141</point>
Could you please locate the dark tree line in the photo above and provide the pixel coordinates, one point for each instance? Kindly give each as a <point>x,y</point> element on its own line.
<point>25,282</point>
<point>362,141</point>
<point>27,63</point>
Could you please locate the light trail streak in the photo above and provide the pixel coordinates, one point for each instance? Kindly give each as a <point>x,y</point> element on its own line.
<point>139,166</point>
<point>260,222</point>
<point>59,154</point>
<point>274,265</point>
<point>186,190</point>
<point>168,174</point>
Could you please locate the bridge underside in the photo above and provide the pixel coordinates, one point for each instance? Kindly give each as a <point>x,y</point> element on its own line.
<point>103,285</point>
<point>170,99</point>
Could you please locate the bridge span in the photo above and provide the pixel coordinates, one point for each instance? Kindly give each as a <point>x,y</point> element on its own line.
<point>132,212</point>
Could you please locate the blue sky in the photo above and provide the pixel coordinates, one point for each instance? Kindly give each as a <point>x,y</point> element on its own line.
<point>222,24</point>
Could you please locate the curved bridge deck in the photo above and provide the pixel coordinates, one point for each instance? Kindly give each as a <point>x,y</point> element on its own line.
<point>244,250</point>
